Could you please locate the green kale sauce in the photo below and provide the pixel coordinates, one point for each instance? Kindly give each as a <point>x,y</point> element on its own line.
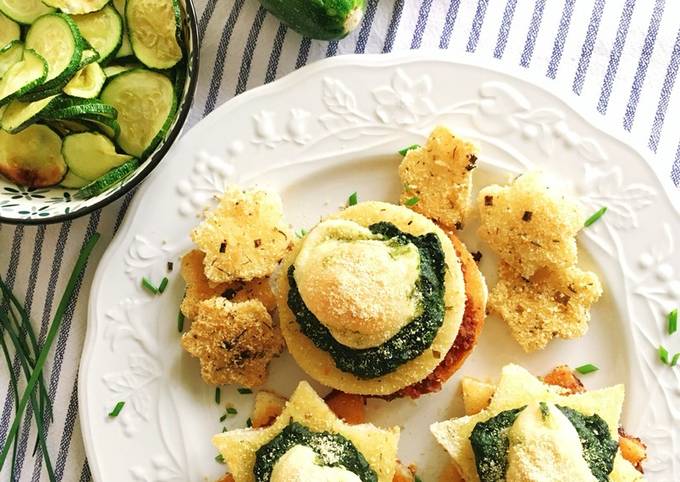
<point>409,342</point>
<point>599,449</point>
<point>332,450</point>
<point>490,443</point>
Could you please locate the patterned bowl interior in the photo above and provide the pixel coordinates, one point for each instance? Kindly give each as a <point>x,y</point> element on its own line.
<point>21,205</point>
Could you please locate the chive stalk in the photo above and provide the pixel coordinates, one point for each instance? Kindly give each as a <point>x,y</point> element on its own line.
<point>353,199</point>
<point>64,303</point>
<point>587,368</point>
<point>409,148</point>
<point>163,285</point>
<point>672,321</point>
<point>148,286</point>
<point>116,410</point>
<point>412,201</point>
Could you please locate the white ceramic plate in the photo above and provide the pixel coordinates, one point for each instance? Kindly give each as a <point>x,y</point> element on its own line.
<point>316,136</point>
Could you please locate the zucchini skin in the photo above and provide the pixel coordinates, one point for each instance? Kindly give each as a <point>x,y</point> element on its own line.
<point>318,19</point>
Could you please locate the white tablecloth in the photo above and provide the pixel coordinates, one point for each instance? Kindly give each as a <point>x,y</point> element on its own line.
<point>620,57</point>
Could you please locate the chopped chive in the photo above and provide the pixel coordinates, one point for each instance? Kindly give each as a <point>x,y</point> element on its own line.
<point>223,417</point>
<point>171,265</point>
<point>663,355</point>
<point>406,149</point>
<point>249,422</point>
<point>219,459</point>
<point>418,479</point>
<point>675,359</point>
<point>672,321</point>
<point>301,233</point>
<point>116,410</point>
<point>587,368</point>
<point>163,285</point>
<point>598,214</point>
<point>231,411</point>
<point>180,322</point>
<point>218,395</point>
<point>353,199</point>
<point>412,201</point>
<point>244,391</point>
<point>148,286</point>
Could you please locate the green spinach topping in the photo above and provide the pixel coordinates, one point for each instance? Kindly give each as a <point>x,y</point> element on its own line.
<point>332,450</point>
<point>490,445</point>
<point>599,449</point>
<point>409,342</point>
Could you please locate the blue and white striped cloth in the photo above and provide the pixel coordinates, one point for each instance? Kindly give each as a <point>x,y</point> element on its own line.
<point>620,57</point>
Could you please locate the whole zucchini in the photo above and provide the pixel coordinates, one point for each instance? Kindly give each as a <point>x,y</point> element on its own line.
<point>318,19</point>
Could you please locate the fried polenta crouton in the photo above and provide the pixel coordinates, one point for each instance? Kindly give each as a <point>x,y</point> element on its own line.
<point>632,449</point>
<point>563,376</point>
<point>267,406</point>
<point>244,237</point>
<point>476,394</point>
<point>233,341</point>
<point>439,177</point>
<point>199,288</point>
<point>347,406</point>
<point>529,225</point>
<point>550,304</point>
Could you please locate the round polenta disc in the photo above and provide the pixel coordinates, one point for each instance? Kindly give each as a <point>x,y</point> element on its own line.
<point>320,365</point>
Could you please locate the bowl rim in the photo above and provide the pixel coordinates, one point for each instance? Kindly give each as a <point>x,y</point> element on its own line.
<point>157,156</point>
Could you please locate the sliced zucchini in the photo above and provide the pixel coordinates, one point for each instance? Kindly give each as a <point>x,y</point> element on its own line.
<point>76,108</point>
<point>72,181</point>
<point>10,54</point>
<point>107,126</point>
<point>24,11</point>
<point>19,115</point>
<point>2,110</point>
<point>90,56</point>
<point>113,70</point>
<point>9,30</point>
<point>146,105</point>
<point>77,7</point>
<point>104,31</point>
<point>91,155</point>
<point>125,49</point>
<point>66,127</point>
<point>32,157</point>
<point>23,76</point>
<point>87,83</point>
<point>108,180</point>
<point>154,28</point>
<point>57,39</point>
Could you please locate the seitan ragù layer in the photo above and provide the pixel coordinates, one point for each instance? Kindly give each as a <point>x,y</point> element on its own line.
<point>319,364</point>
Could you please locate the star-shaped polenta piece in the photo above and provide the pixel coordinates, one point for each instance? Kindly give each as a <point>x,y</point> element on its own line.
<point>516,388</point>
<point>437,178</point>
<point>378,446</point>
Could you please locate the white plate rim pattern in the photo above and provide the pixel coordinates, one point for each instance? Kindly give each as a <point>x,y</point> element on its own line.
<point>396,93</point>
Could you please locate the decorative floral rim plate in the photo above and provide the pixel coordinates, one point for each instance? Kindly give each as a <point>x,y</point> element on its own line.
<point>317,135</point>
<point>22,205</point>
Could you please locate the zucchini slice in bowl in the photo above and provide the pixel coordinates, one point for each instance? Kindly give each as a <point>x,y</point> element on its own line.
<point>91,155</point>
<point>9,30</point>
<point>87,83</point>
<point>77,7</point>
<point>146,103</point>
<point>32,157</point>
<point>72,181</point>
<point>10,54</point>
<point>23,76</point>
<point>154,28</point>
<point>75,108</point>
<point>57,39</point>
<point>103,30</point>
<point>113,70</point>
<point>24,11</point>
<point>108,180</point>
<point>19,115</point>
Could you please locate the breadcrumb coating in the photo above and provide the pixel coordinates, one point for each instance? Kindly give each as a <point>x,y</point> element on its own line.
<point>550,304</point>
<point>244,237</point>
<point>233,341</point>
<point>437,178</point>
<point>529,225</point>
<point>199,288</point>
